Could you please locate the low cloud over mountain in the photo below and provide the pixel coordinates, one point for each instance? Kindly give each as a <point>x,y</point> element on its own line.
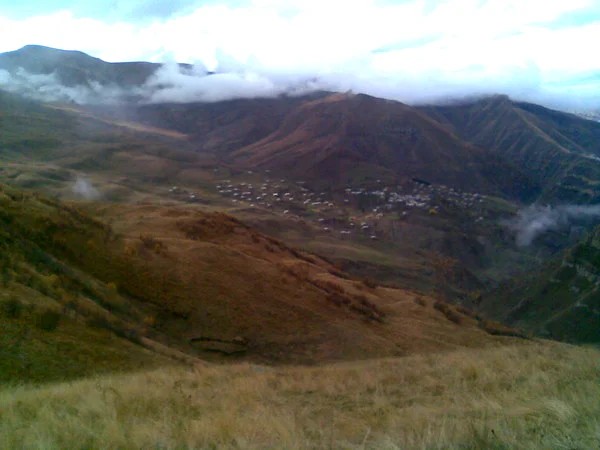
<point>86,80</point>
<point>535,220</point>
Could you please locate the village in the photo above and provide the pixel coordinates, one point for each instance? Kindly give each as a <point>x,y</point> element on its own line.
<point>359,212</point>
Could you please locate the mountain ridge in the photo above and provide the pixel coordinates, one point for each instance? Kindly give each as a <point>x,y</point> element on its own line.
<point>73,68</point>
<point>539,139</point>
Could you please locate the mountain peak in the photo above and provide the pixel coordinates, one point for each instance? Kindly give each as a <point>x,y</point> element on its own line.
<point>75,68</point>
<point>34,50</point>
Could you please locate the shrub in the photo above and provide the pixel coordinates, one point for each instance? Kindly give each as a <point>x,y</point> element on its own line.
<point>48,320</point>
<point>338,299</point>
<point>468,312</point>
<point>370,283</point>
<point>336,271</point>
<point>153,244</point>
<point>329,286</point>
<point>498,329</point>
<point>12,308</point>
<point>450,313</point>
<point>369,308</point>
<point>420,301</point>
<point>119,328</point>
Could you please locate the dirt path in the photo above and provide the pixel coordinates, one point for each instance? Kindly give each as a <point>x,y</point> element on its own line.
<point>125,124</point>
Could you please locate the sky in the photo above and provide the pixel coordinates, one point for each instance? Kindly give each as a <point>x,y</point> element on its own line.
<point>417,51</point>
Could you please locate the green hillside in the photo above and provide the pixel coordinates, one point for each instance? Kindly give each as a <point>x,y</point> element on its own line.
<point>561,300</point>
<point>57,321</point>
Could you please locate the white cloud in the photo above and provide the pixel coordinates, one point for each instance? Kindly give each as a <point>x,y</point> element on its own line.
<point>47,87</point>
<point>411,50</point>
<point>170,84</point>
<point>83,188</point>
<point>535,220</point>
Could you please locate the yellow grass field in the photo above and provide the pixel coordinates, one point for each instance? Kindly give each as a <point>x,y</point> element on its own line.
<point>537,395</point>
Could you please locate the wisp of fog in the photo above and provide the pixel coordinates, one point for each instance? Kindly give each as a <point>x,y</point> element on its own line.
<point>83,188</point>
<point>535,220</point>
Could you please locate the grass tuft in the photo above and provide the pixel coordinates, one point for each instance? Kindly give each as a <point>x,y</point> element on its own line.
<point>48,320</point>
<point>524,397</point>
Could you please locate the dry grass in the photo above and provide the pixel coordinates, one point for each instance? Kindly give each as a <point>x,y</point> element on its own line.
<point>524,397</point>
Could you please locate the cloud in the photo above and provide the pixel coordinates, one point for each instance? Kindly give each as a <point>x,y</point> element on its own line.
<point>172,83</point>
<point>83,188</point>
<point>535,220</point>
<point>414,51</point>
<point>48,88</point>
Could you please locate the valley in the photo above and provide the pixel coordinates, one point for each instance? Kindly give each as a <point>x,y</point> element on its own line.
<point>325,270</point>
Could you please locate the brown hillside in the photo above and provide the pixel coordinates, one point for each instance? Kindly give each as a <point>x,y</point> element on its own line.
<point>216,285</point>
<point>348,138</point>
<point>556,149</point>
<point>221,127</point>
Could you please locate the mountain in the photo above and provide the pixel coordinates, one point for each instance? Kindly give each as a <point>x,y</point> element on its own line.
<point>74,68</point>
<point>353,138</point>
<point>215,249</point>
<point>364,137</point>
<point>338,139</point>
<point>220,127</point>
<point>127,159</point>
<point>555,149</point>
<point>389,191</point>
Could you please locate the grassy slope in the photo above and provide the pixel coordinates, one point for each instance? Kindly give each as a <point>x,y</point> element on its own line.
<point>47,147</point>
<point>35,278</point>
<point>534,396</point>
<point>29,354</point>
<point>225,280</point>
<point>173,274</point>
<point>561,300</point>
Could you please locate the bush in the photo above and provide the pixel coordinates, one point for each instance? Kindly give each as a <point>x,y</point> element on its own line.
<point>498,329</point>
<point>329,286</point>
<point>117,327</point>
<point>370,283</point>
<point>338,299</point>
<point>468,312</point>
<point>12,308</point>
<point>153,244</point>
<point>450,313</point>
<point>48,320</point>
<point>420,301</point>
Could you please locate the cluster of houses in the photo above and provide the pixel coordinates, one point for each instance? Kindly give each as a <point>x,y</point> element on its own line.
<point>184,194</point>
<point>351,211</point>
<point>273,194</point>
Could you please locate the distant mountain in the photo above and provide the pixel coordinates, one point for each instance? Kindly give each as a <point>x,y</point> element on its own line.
<point>356,138</point>
<point>74,68</point>
<point>337,139</point>
<point>558,150</point>
<point>518,150</point>
<point>221,127</point>
<point>561,300</point>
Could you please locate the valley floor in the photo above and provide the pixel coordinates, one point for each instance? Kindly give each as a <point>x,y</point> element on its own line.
<point>533,395</point>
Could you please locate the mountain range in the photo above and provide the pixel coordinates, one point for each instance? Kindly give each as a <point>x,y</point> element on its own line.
<point>417,196</point>
<point>73,68</point>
